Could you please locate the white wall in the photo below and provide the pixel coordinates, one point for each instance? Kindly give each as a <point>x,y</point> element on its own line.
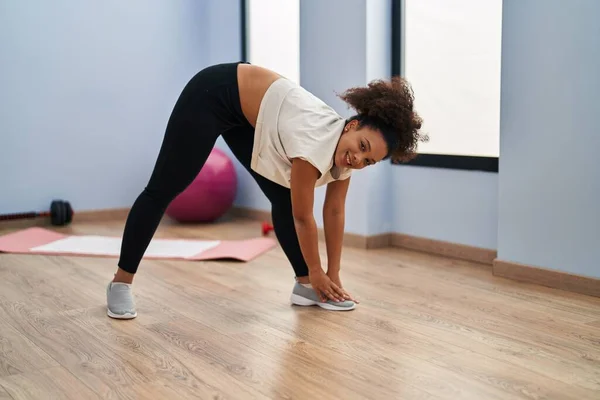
<point>546,218</point>
<point>451,205</point>
<point>378,203</point>
<point>83,108</point>
<point>223,44</point>
<point>86,91</point>
<point>343,43</point>
<point>98,101</point>
<point>549,186</point>
<point>444,204</point>
<point>550,63</point>
<point>333,57</point>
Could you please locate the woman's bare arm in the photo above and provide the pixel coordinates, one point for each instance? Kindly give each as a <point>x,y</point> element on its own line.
<point>303,178</point>
<point>334,220</point>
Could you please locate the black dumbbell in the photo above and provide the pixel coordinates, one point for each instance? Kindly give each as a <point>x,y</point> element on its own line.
<point>61,213</point>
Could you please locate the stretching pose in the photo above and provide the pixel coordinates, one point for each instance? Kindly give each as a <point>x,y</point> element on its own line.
<point>290,142</point>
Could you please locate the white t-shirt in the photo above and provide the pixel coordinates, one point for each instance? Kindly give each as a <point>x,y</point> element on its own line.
<point>293,123</point>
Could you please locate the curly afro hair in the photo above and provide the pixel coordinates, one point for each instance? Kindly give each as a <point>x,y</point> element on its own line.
<point>387,106</point>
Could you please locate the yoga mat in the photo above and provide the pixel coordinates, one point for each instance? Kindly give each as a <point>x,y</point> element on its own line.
<point>47,242</point>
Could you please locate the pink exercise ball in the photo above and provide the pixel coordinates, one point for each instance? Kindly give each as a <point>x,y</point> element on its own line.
<point>210,195</point>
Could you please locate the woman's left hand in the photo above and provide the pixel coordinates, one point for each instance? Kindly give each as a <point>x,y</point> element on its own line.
<point>335,278</point>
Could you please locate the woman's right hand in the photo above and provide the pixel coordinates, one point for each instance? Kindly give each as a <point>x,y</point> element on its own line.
<point>325,287</point>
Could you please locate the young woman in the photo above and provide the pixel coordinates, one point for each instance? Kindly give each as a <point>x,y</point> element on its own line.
<point>290,142</point>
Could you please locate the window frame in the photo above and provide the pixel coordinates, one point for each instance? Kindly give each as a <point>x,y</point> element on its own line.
<point>243,31</point>
<point>446,161</point>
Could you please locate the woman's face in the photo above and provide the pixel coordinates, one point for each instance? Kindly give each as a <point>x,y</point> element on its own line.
<point>359,147</point>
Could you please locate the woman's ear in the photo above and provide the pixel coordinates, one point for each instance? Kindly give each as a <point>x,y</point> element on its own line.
<point>351,125</point>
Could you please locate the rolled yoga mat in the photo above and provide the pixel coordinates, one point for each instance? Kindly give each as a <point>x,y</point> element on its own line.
<point>47,242</point>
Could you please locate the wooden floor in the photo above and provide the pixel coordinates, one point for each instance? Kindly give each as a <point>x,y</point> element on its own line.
<point>427,328</point>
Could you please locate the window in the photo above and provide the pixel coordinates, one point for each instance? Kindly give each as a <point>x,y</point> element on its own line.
<point>271,35</point>
<point>450,52</point>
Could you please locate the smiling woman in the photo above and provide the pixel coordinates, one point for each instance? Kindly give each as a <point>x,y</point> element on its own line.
<point>386,124</point>
<point>291,142</point>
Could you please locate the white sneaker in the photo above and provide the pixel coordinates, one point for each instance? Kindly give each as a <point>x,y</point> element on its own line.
<point>304,296</point>
<point>119,301</point>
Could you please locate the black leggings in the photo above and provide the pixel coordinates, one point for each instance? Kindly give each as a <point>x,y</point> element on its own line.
<point>207,108</point>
